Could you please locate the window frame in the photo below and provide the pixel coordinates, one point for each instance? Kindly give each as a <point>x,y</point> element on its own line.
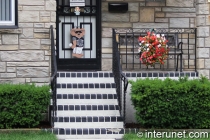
<point>14,22</point>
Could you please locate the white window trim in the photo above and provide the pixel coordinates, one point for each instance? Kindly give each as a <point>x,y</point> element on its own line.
<point>12,22</point>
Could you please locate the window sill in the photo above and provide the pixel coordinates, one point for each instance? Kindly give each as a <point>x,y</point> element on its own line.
<point>10,30</point>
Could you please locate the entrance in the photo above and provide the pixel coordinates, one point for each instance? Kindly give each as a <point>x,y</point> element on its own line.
<point>78,28</point>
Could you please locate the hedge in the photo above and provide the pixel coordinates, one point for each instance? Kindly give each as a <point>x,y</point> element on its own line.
<point>22,105</point>
<point>174,104</point>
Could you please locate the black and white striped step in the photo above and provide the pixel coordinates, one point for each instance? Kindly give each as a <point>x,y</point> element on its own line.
<point>86,85</point>
<point>89,119</point>
<point>99,74</point>
<point>86,107</point>
<point>88,133</point>
<point>86,91</point>
<point>87,96</point>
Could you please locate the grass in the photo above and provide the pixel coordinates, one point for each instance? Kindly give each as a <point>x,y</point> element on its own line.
<point>23,135</point>
<point>133,136</point>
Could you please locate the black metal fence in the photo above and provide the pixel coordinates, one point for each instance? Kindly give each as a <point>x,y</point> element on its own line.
<point>120,79</point>
<point>53,78</point>
<point>181,43</point>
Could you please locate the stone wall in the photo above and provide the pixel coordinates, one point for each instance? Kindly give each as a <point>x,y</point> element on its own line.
<point>25,52</point>
<point>146,14</point>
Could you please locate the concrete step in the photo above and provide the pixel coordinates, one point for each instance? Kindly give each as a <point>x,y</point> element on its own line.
<point>88,124</point>
<point>88,113</point>
<point>86,102</point>
<point>86,91</point>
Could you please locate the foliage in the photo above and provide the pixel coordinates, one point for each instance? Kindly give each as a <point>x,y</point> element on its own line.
<point>27,135</point>
<point>153,48</point>
<point>22,105</point>
<point>171,103</point>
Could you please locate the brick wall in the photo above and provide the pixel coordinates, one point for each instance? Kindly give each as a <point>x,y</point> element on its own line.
<point>25,52</point>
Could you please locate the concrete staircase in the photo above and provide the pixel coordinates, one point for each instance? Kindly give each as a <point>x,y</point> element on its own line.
<point>87,106</point>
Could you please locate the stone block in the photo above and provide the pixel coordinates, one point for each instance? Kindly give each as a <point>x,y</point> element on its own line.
<point>8,75</point>
<point>44,13</point>
<point>47,52</point>
<point>40,80</point>
<point>183,15</point>
<point>104,6</point>
<point>202,9</point>
<point>106,64</point>
<point>2,66</point>
<point>29,44</point>
<point>39,25</point>
<point>9,39</point>
<point>27,33</point>
<point>8,47</point>
<point>45,41</point>
<point>161,20</point>
<point>50,5</point>
<point>47,25</point>
<point>106,50</point>
<point>11,31</point>
<point>200,63</point>
<point>27,64</point>
<point>155,3</point>
<point>109,56</point>
<point>53,17</point>
<point>28,80</point>
<point>121,17</point>
<point>41,35</point>
<point>150,25</point>
<point>28,16</point>
<point>203,31</point>
<point>207,42</point>
<point>47,58</point>
<point>208,20</point>
<point>159,14</point>
<point>41,30</point>
<point>34,2</point>
<point>157,9</point>
<point>179,10</point>
<point>180,3</point>
<point>25,25</point>
<point>15,56</point>
<point>179,22</point>
<point>200,42</point>
<point>116,24</point>
<point>33,8</point>
<point>133,7</point>
<point>11,69</point>
<point>32,72</point>
<point>106,42</point>
<point>200,20</point>
<point>147,14</point>
<point>106,32</point>
<point>13,80</point>
<point>45,47</point>
<point>134,17</point>
<point>44,19</point>
<point>203,52</point>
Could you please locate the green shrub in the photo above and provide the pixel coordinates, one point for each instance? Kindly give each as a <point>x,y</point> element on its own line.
<point>171,103</point>
<point>22,105</point>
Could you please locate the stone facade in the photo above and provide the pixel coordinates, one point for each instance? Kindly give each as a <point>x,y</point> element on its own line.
<point>25,52</point>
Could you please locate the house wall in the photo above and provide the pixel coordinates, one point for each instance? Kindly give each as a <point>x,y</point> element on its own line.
<point>166,14</point>
<point>25,52</point>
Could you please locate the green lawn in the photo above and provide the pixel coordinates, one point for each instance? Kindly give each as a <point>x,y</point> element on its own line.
<point>38,135</point>
<point>132,136</point>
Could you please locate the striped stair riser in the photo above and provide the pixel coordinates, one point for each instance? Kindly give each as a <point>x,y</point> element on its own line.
<point>89,119</point>
<point>87,85</point>
<point>87,131</point>
<point>86,91</point>
<point>88,113</point>
<point>86,96</point>
<point>87,107</point>
<point>85,80</point>
<point>84,74</point>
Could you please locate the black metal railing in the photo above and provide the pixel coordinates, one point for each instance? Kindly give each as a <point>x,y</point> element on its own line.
<point>119,78</point>
<point>53,79</point>
<point>181,43</point>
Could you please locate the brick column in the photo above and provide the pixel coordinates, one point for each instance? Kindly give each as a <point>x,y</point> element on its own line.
<point>203,37</point>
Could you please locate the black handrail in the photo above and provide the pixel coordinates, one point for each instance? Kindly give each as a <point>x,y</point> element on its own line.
<point>53,78</point>
<point>119,77</point>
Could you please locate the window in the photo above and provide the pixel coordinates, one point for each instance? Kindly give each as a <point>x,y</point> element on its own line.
<point>8,13</point>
